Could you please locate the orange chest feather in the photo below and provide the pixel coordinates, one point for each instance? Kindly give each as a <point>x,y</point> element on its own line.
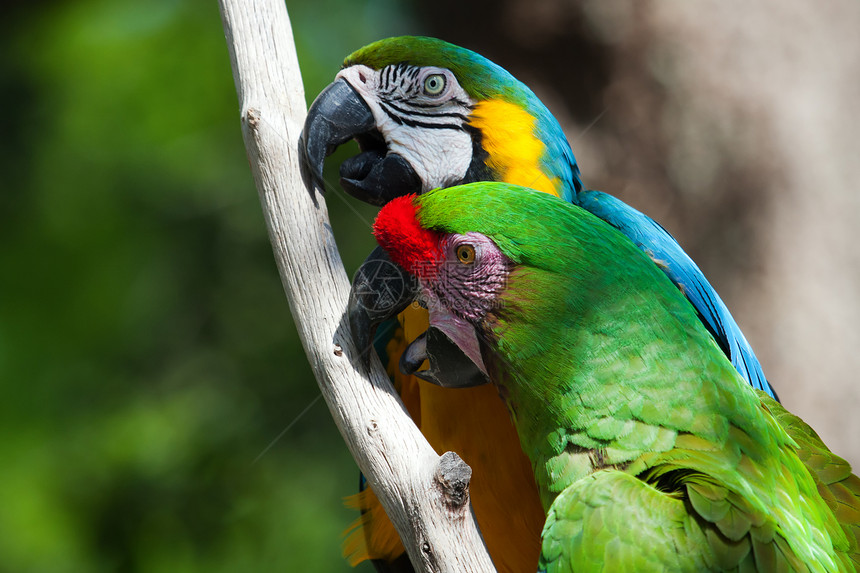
<point>475,423</point>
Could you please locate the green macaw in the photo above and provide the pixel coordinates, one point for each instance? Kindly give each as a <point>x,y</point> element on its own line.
<point>649,450</point>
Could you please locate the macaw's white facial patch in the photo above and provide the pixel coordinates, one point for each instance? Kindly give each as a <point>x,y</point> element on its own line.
<point>422,113</point>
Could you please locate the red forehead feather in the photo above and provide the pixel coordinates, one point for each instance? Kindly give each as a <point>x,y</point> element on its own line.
<point>411,246</point>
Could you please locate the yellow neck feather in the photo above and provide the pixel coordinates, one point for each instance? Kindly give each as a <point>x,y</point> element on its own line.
<point>514,151</point>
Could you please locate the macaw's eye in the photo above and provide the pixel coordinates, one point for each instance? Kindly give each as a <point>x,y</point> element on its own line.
<point>434,84</point>
<point>466,254</point>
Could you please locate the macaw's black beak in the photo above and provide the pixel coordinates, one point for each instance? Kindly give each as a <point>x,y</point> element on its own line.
<point>336,116</point>
<point>381,290</point>
<point>375,176</point>
<point>448,367</point>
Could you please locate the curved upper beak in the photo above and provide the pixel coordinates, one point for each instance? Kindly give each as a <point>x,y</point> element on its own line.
<point>380,291</point>
<point>337,115</point>
<point>375,175</point>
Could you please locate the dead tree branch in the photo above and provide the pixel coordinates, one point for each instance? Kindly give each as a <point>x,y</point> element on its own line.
<point>425,495</point>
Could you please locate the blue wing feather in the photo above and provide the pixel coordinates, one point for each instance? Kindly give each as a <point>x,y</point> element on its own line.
<point>649,236</point>
<point>559,161</point>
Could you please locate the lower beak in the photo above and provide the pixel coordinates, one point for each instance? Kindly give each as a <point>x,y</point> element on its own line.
<point>380,291</point>
<point>449,366</point>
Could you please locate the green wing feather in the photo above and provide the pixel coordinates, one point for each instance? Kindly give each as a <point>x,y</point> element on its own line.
<point>838,487</point>
<point>602,522</point>
<point>671,519</point>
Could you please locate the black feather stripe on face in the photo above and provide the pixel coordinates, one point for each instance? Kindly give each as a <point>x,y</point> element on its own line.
<point>478,169</point>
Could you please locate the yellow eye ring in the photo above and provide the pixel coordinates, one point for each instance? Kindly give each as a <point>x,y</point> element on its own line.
<point>434,84</point>
<point>466,254</point>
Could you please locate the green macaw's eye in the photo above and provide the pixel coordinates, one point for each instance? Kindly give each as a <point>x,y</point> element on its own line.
<point>434,84</point>
<point>466,254</point>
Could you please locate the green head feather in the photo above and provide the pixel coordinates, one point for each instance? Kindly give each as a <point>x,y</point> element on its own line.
<point>547,233</point>
<point>481,78</point>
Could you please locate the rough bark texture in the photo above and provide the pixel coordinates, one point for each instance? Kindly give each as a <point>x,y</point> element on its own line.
<point>425,495</point>
<point>735,126</point>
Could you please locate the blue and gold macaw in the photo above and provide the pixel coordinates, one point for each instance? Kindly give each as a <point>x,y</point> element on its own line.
<point>429,114</point>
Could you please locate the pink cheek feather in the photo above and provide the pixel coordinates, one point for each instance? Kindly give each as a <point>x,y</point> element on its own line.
<point>473,290</point>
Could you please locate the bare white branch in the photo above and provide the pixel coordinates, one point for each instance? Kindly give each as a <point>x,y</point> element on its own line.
<point>425,495</point>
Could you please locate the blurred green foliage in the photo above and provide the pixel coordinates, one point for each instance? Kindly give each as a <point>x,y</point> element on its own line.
<point>147,354</point>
